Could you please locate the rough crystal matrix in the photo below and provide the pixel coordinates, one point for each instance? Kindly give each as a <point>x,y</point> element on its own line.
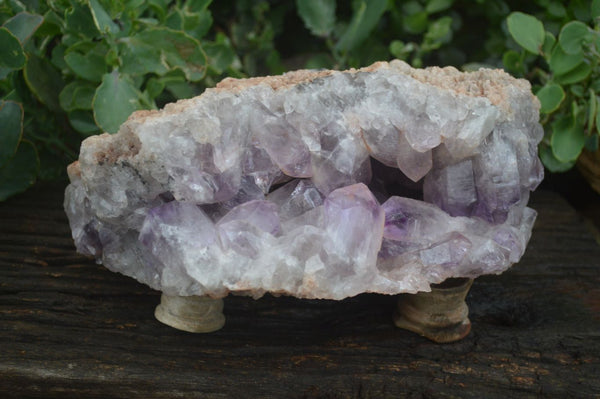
<point>317,184</point>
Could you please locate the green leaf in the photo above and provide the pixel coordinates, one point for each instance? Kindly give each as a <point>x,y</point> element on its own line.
<point>549,42</point>
<point>154,87</point>
<point>23,25</point>
<point>12,55</point>
<point>175,19</point>
<point>512,61</point>
<point>180,89</point>
<point>595,8</point>
<point>116,98</point>
<point>580,9</point>
<point>57,57</point>
<point>197,24</point>
<point>572,36</point>
<point>434,6</point>
<point>160,50</point>
<point>52,25</point>
<point>400,50</point>
<point>159,9</point>
<point>365,17</point>
<point>592,110</point>
<point>415,23</point>
<point>550,96</point>
<point>528,31</point>
<point>20,171</point>
<point>318,15</point>
<point>79,20</point>
<point>11,129</point>
<point>83,121</point>
<point>220,55</point>
<point>561,62</point>
<point>439,30</point>
<point>77,95</point>
<point>577,90</point>
<point>87,61</point>
<point>4,72</point>
<point>198,5</point>
<point>597,121</point>
<point>578,74</point>
<point>101,18</point>
<point>44,81</point>
<point>556,9</point>
<point>550,161</point>
<point>14,6</point>
<point>567,139</point>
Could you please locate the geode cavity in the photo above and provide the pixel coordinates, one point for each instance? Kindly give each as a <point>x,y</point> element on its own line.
<point>317,184</point>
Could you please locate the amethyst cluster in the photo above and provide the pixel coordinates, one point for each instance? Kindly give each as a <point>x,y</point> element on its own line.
<point>316,184</point>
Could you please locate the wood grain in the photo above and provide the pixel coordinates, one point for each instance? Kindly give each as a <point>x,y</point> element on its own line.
<point>70,328</point>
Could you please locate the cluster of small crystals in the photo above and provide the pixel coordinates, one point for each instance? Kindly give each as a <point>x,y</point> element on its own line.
<point>373,180</point>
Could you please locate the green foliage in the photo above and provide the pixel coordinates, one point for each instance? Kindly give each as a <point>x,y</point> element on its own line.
<point>69,69</point>
<point>317,15</point>
<point>566,71</point>
<point>73,68</point>
<point>115,99</point>
<point>528,31</point>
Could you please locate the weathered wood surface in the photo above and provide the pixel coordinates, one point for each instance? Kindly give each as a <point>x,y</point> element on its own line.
<point>70,328</point>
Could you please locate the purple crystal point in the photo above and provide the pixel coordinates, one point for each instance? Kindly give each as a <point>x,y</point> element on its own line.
<point>261,169</point>
<point>261,214</point>
<point>452,188</point>
<point>355,223</point>
<point>166,223</point>
<point>296,198</point>
<point>283,144</point>
<point>243,229</point>
<point>414,164</point>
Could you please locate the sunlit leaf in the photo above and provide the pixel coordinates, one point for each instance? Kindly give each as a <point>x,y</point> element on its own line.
<point>365,17</point>
<point>160,50</point>
<point>23,25</point>
<point>561,62</point>
<point>567,139</point>
<point>116,98</point>
<point>550,161</point>
<point>550,96</point>
<point>528,31</point>
<point>572,36</point>
<point>581,72</point>
<point>318,15</point>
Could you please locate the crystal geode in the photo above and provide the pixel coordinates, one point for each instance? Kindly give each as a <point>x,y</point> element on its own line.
<point>316,184</point>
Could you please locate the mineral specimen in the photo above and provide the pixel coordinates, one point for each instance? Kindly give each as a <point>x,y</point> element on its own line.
<point>316,184</point>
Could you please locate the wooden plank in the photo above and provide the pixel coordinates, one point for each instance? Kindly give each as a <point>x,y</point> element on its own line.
<point>71,328</point>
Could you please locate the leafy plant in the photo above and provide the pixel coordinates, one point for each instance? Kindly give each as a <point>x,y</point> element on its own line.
<point>70,69</point>
<point>563,65</point>
<point>73,68</point>
<point>374,28</point>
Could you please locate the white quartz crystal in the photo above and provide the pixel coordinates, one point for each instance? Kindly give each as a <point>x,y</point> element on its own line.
<point>317,184</point>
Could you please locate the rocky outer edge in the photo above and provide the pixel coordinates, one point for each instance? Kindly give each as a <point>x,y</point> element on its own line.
<point>316,184</point>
